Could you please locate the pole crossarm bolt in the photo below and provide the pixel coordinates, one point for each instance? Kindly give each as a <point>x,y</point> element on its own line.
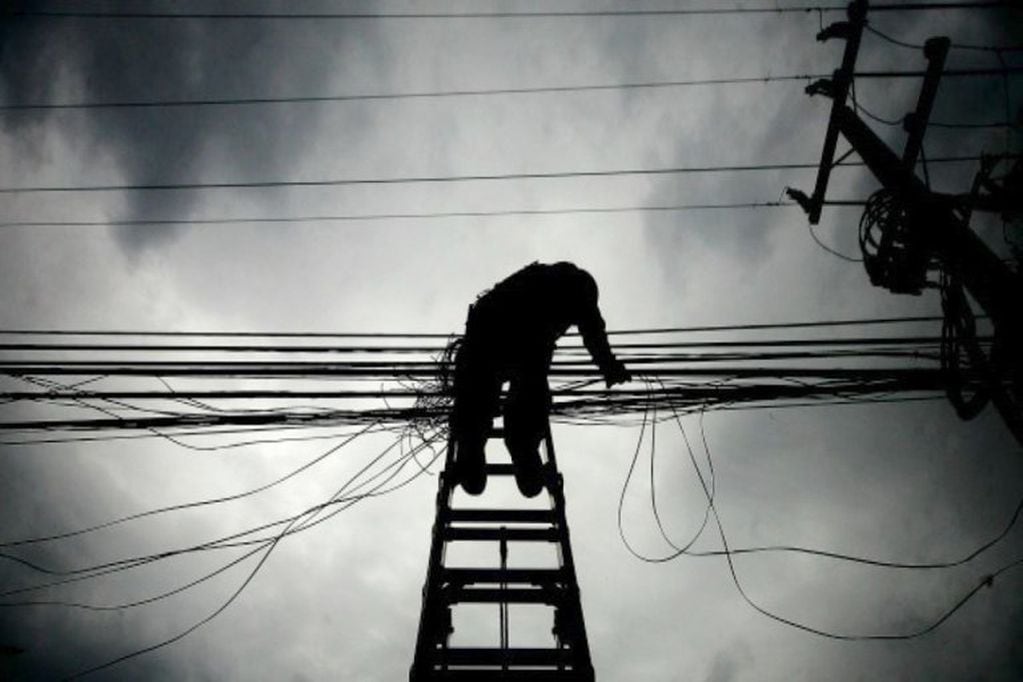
<point>800,198</point>
<point>839,29</point>
<point>822,86</point>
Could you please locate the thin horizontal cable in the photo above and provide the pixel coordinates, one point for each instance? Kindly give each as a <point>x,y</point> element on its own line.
<point>870,321</point>
<point>676,170</point>
<point>955,46</point>
<point>304,370</point>
<point>947,73</point>
<point>428,215</point>
<point>236,348</point>
<point>565,362</point>
<point>481,92</point>
<point>414,179</point>
<point>436,94</point>
<point>932,124</point>
<point>564,14</point>
<point>916,6</point>
<point>972,126</point>
<point>315,367</point>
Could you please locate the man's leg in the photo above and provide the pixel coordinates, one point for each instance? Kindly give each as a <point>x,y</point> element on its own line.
<point>476,394</point>
<point>525,423</point>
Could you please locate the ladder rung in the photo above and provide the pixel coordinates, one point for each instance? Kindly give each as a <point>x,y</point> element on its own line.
<point>532,576</point>
<point>511,534</point>
<point>519,656</point>
<point>495,595</point>
<point>503,515</point>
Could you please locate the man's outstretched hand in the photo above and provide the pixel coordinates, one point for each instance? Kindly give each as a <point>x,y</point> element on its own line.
<point>616,374</point>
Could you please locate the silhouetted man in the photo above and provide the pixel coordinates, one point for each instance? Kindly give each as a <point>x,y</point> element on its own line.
<point>510,335</point>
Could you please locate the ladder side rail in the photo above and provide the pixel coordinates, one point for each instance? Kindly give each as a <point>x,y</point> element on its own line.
<point>572,603</point>
<point>430,615</point>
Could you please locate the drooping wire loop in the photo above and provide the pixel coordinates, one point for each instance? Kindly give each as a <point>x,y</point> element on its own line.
<point>962,360</point>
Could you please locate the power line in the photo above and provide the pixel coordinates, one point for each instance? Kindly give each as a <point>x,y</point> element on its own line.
<point>481,177</point>
<point>1000,71</point>
<point>957,46</point>
<point>653,13</point>
<point>920,379</point>
<point>414,179</point>
<point>427,215</point>
<point>408,369</point>
<point>870,321</point>
<point>305,428</point>
<point>605,405</point>
<point>741,375</point>
<point>933,124</point>
<point>474,92</point>
<point>263,348</point>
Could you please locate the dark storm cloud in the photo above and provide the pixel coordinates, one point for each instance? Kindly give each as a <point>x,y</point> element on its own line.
<point>52,60</point>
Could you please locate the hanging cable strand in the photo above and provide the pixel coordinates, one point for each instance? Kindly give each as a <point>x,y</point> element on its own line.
<point>729,552</point>
<point>296,524</point>
<point>177,385</point>
<point>344,498</point>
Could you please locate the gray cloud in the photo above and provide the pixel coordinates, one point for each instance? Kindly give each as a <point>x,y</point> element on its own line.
<point>898,482</point>
<point>49,60</point>
<point>727,665</point>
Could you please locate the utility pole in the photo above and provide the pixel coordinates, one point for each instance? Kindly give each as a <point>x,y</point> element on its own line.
<point>907,231</point>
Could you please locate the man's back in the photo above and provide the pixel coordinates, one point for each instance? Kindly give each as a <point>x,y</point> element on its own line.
<point>532,308</point>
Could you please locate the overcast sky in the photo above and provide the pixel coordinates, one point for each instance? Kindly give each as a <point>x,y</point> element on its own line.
<point>906,482</point>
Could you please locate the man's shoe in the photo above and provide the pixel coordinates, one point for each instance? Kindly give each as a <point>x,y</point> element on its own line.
<point>527,465</point>
<point>470,466</point>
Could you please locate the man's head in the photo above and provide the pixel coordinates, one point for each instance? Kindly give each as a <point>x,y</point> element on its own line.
<point>579,282</point>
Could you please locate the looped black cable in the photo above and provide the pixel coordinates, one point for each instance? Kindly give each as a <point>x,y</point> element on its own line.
<point>960,350</point>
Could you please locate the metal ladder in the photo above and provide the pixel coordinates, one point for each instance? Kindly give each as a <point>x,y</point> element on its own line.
<point>568,658</point>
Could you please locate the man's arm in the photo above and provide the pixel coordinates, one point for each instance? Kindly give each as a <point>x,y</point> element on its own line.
<point>592,327</point>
